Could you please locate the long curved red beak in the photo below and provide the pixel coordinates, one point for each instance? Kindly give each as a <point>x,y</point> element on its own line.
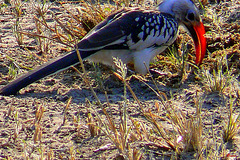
<point>197,31</point>
<point>200,43</point>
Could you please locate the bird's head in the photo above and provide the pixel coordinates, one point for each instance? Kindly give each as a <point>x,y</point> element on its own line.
<point>186,13</point>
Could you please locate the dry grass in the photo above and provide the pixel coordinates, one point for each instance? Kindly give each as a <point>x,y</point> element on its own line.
<point>184,113</point>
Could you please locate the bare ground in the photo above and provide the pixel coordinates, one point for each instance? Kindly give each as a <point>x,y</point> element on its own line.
<point>62,132</point>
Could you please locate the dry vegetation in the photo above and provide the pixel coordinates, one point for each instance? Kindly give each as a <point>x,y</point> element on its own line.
<point>92,112</point>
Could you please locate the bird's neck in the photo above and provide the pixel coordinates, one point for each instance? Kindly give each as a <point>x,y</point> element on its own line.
<point>166,6</point>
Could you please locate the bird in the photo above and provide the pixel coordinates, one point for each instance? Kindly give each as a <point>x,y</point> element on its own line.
<point>133,35</point>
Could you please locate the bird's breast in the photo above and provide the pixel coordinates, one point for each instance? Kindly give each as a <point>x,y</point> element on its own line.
<point>106,56</point>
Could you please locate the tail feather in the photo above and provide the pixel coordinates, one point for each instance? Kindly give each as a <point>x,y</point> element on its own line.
<point>42,71</point>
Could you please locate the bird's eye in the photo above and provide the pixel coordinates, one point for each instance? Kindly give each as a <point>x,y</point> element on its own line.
<point>190,16</point>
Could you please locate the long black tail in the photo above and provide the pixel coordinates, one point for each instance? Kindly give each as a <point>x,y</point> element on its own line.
<point>46,69</point>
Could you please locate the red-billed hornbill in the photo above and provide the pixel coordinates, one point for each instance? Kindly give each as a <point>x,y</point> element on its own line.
<point>133,35</point>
